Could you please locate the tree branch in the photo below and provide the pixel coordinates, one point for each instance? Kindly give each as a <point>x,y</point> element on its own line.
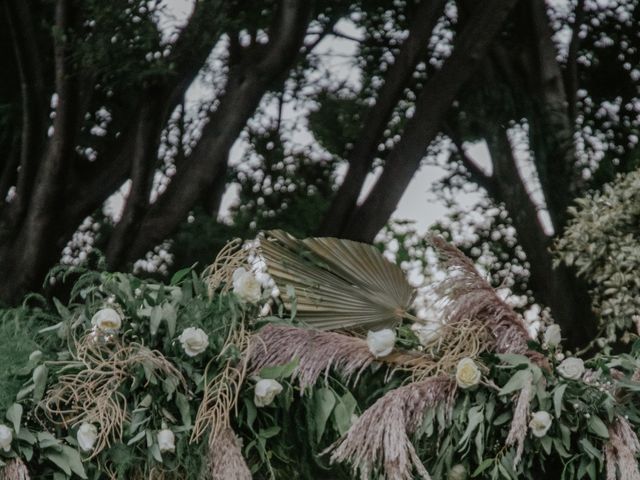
<point>413,50</point>
<point>478,176</point>
<point>571,77</point>
<point>551,131</point>
<point>431,107</point>
<point>246,85</point>
<point>34,105</point>
<point>555,288</point>
<point>143,166</point>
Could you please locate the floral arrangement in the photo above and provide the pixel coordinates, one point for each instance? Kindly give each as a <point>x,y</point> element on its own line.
<point>329,376</point>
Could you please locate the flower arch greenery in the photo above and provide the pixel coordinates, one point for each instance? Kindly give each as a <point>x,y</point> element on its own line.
<point>332,376</point>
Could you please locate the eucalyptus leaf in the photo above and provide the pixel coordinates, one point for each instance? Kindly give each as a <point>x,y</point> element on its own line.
<point>323,403</point>
<point>14,415</point>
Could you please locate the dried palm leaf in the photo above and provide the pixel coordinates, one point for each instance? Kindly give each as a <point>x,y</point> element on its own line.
<point>337,283</point>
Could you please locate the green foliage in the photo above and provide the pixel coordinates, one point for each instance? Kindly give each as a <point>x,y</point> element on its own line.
<point>281,186</point>
<point>601,243</point>
<point>286,438</point>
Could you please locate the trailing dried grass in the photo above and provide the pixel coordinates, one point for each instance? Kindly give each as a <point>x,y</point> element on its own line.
<point>221,391</point>
<point>232,256</point>
<point>92,391</point>
<point>464,295</point>
<point>519,424</point>
<point>225,458</point>
<point>621,451</point>
<point>379,441</point>
<point>15,469</point>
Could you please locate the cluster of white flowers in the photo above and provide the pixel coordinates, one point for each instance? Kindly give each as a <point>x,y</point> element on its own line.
<point>427,333</point>
<point>381,342</point>
<point>246,286</point>
<point>194,341</point>
<point>265,392</point>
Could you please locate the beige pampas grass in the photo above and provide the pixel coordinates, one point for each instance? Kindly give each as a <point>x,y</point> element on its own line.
<point>317,352</point>
<point>221,392</point>
<point>379,441</point>
<point>464,294</point>
<point>225,458</point>
<point>14,470</point>
<point>621,451</point>
<point>91,392</point>
<point>519,424</point>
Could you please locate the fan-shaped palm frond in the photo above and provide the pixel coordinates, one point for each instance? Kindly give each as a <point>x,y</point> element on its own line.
<point>337,283</point>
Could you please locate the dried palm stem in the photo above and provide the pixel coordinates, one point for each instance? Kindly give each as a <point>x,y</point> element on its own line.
<point>92,391</point>
<point>465,295</point>
<point>379,441</point>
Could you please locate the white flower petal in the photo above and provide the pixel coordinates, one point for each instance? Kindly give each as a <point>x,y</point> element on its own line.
<point>381,343</point>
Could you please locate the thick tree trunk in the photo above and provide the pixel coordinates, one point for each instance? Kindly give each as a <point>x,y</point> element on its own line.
<point>431,107</point>
<point>361,157</point>
<point>556,288</point>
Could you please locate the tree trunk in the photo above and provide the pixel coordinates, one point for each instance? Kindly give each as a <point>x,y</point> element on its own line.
<point>556,288</point>
<point>431,107</point>
<point>361,157</point>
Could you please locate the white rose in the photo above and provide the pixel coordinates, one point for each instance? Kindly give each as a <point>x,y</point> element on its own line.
<point>246,286</point>
<point>166,440</point>
<point>6,437</point>
<point>266,390</point>
<point>457,472</point>
<point>571,368</point>
<point>427,333</point>
<point>107,319</point>
<point>467,373</point>
<point>194,341</point>
<point>35,356</point>
<point>87,436</point>
<point>540,423</point>
<point>381,343</point>
<point>552,335</point>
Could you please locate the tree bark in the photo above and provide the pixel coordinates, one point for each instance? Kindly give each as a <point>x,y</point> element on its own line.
<point>556,288</point>
<point>413,50</point>
<point>431,107</point>
<point>143,165</point>
<point>35,248</point>
<point>246,85</point>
